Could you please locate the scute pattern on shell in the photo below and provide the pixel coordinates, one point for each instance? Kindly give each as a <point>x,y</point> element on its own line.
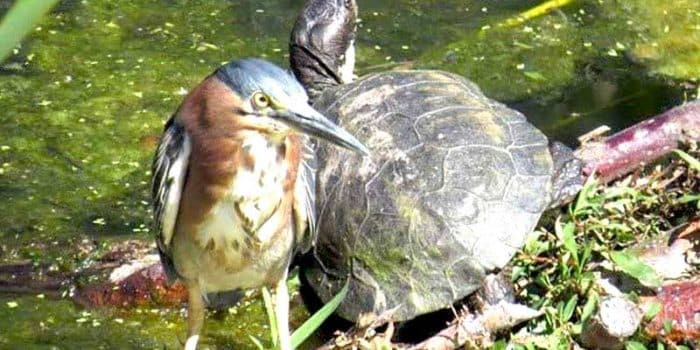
<point>455,183</point>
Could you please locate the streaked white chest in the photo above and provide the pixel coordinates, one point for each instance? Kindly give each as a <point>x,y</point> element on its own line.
<point>241,225</point>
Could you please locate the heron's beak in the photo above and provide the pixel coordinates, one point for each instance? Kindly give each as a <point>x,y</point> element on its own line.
<point>304,118</point>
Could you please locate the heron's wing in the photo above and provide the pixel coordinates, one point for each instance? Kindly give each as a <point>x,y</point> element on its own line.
<point>169,174</point>
<point>305,197</point>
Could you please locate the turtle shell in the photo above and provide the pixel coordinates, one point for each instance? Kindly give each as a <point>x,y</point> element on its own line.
<point>455,183</point>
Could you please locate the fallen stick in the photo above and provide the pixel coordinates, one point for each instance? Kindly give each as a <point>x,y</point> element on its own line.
<point>641,144</point>
<point>478,328</point>
<point>534,12</point>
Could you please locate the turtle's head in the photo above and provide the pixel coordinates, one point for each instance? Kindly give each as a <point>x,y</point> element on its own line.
<point>321,49</point>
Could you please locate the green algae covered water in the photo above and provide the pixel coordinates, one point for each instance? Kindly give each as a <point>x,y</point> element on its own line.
<point>84,98</point>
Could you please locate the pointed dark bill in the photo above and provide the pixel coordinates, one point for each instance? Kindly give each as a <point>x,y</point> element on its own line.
<point>307,120</point>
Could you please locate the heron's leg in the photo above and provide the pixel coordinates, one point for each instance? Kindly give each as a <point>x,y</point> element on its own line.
<point>195,316</point>
<point>282,313</point>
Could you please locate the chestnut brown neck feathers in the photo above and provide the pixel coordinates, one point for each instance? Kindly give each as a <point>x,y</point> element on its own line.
<point>225,144</point>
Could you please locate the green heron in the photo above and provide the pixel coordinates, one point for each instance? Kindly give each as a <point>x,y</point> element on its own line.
<point>234,182</point>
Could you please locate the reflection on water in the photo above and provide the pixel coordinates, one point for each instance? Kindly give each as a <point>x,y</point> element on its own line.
<point>617,99</point>
<point>84,99</point>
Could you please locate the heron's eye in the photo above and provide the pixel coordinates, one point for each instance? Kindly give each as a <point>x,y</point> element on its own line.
<point>260,100</point>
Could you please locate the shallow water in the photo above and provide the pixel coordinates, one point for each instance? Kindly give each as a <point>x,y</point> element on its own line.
<point>85,97</point>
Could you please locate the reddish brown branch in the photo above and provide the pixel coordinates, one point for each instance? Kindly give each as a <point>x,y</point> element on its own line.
<point>24,277</point>
<point>640,144</point>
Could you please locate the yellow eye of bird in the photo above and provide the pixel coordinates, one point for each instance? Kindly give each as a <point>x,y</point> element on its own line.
<point>260,100</point>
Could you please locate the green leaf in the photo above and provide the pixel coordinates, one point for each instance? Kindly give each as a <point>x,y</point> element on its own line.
<point>517,272</point>
<point>560,310</point>
<point>294,282</point>
<point>499,345</point>
<point>575,328</point>
<point>582,201</point>
<point>257,342</point>
<point>315,321</point>
<point>692,161</point>
<point>566,236</point>
<point>689,198</point>
<point>586,280</point>
<point>19,21</point>
<point>636,268</point>
<point>537,76</point>
<point>585,256</point>
<point>589,306</point>
<point>633,345</point>
<point>271,316</point>
<point>569,309</point>
<point>668,326</point>
<point>652,311</point>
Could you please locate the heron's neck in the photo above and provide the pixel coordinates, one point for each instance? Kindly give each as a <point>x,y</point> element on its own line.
<point>270,159</point>
<point>243,165</point>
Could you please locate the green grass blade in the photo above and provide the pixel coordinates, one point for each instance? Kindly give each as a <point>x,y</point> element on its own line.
<point>634,345</point>
<point>258,343</point>
<point>692,162</point>
<point>652,311</point>
<point>19,21</point>
<point>271,316</point>
<point>636,268</point>
<point>589,307</point>
<point>689,198</point>
<point>315,321</point>
<point>566,236</point>
<point>582,201</point>
<point>569,308</point>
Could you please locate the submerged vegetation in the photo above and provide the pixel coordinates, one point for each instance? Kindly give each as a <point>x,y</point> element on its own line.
<point>547,53</point>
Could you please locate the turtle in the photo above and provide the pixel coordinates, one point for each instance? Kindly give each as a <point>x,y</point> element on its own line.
<point>455,183</point>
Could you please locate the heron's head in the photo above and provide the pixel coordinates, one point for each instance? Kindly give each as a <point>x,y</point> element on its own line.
<point>273,102</point>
